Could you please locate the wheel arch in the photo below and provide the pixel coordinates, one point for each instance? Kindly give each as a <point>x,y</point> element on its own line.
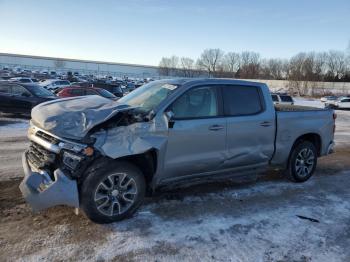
<point>147,162</point>
<point>314,138</point>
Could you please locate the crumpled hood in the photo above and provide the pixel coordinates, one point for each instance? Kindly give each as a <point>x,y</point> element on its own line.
<point>74,117</point>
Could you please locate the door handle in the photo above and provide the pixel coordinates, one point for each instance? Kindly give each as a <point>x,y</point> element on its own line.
<point>216,127</point>
<point>265,123</point>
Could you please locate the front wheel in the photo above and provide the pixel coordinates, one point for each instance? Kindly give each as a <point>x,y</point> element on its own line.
<point>113,192</point>
<point>302,162</point>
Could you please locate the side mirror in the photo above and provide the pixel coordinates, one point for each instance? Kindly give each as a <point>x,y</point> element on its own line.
<point>169,114</point>
<point>25,94</point>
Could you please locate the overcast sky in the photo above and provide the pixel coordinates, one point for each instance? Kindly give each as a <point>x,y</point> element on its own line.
<point>144,31</point>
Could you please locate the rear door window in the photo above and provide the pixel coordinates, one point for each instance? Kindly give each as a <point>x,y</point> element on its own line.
<point>242,100</point>
<point>5,89</point>
<point>64,83</point>
<point>90,92</point>
<point>77,92</point>
<point>19,91</point>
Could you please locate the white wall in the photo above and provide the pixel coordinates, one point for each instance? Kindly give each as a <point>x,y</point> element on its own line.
<point>94,67</point>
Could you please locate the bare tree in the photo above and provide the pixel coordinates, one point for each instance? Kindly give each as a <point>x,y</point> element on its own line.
<point>320,65</point>
<point>336,62</point>
<point>250,65</point>
<point>231,63</point>
<point>168,65</point>
<point>299,70</point>
<point>275,68</point>
<point>187,67</point>
<point>210,59</point>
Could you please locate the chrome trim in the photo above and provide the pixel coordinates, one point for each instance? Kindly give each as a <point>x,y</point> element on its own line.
<point>63,144</point>
<point>43,143</point>
<point>60,138</point>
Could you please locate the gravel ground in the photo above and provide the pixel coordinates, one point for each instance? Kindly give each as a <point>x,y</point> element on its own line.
<point>267,219</point>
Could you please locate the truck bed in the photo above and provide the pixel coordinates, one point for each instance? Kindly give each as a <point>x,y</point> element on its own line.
<point>294,121</point>
<point>294,108</point>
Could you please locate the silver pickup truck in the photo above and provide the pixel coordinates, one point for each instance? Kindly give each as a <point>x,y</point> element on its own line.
<point>104,156</point>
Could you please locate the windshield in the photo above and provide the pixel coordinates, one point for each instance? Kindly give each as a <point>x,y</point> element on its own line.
<point>40,91</point>
<point>105,93</point>
<point>149,96</point>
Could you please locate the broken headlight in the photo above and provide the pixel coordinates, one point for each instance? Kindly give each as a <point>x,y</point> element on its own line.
<point>71,160</point>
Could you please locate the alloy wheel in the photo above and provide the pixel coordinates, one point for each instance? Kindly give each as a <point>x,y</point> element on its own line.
<point>304,162</point>
<point>115,194</point>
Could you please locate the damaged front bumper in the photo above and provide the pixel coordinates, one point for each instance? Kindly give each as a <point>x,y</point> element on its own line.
<point>41,192</point>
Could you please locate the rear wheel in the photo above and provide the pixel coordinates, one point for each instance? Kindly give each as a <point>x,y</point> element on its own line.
<point>302,162</point>
<point>113,192</point>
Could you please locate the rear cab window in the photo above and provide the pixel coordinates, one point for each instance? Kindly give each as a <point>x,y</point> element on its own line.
<point>242,100</point>
<point>274,98</point>
<point>285,98</point>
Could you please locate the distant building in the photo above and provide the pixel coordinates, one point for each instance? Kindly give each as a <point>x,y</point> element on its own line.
<point>74,65</point>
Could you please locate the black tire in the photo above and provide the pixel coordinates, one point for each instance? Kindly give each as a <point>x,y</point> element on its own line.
<point>100,177</point>
<point>300,168</point>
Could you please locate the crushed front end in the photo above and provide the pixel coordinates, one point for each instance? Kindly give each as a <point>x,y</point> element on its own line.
<point>51,168</point>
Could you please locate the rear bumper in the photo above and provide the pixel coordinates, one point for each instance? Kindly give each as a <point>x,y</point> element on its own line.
<point>41,192</point>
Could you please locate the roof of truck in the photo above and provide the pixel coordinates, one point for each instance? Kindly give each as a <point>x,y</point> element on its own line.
<point>211,80</point>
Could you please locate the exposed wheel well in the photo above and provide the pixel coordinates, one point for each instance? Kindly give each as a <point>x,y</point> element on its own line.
<point>311,137</point>
<point>146,162</point>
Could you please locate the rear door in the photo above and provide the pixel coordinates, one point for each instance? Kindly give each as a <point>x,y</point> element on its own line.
<point>197,133</point>
<point>250,127</point>
<point>21,99</point>
<point>5,97</point>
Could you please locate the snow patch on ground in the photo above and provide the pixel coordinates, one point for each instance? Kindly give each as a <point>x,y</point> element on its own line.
<point>266,228</point>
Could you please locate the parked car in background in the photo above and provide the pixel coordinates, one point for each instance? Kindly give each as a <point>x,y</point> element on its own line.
<point>325,99</point>
<point>139,83</point>
<point>282,99</point>
<point>85,91</point>
<point>53,84</point>
<point>105,156</point>
<point>82,84</point>
<point>128,87</point>
<point>21,98</point>
<point>343,103</point>
<point>27,80</point>
<point>115,89</point>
